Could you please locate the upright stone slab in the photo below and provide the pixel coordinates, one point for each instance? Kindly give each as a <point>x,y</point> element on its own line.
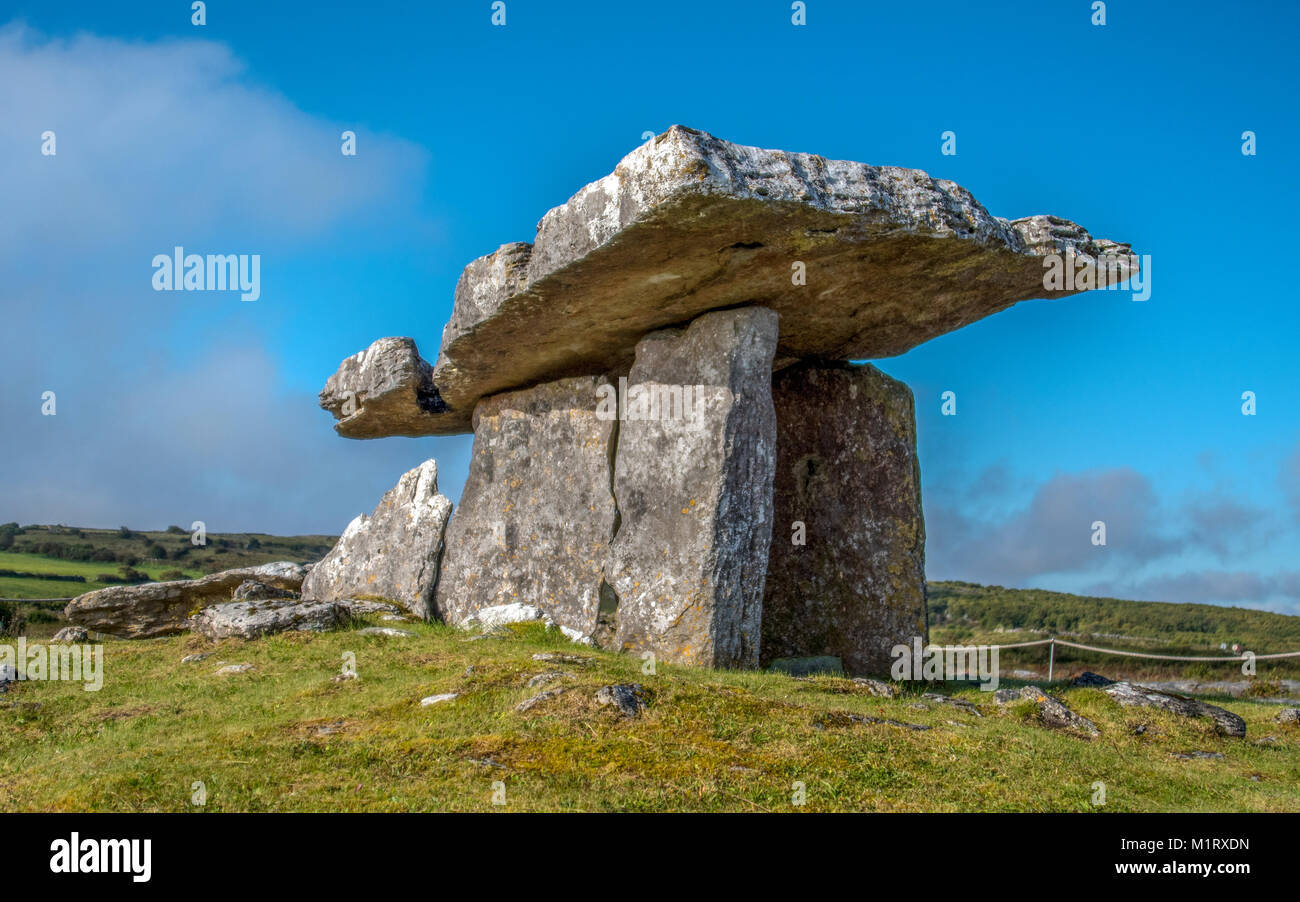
<point>391,554</point>
<point>693,482</point>
<point>846,573</point>
<point>536,516</point>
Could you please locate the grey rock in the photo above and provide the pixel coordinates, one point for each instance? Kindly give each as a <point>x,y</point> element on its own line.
<point>1090,680</point>
<point>1189,756</point>
<point>629,698</point>
<point>961,703</point>
<point>1289,715</point>
<point>255,590</point>
<point>194,659</point>
<point>71,634</point>
<point>438,699</point>
<point>1133,695</point>
<point>694,493</point>
<point>386,631</point>
<point>1054,713</point>
<point>387,389</point>
<point>233,668</point>
<point>550,676</point>
<point>1006,696</point>
<point>537,513</point>
<point>392,554</point>
<point>807,666</point>
<point>688,223</point>
<point>161,609</point>
<point>876,687</point>
<point>360,607</point>
<point>552,657</point>
<point>251,619</point>
<point>846,572</point>
<point>529,703</point>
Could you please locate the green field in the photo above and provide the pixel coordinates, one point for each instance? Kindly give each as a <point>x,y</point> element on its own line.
<point>94,553</point>
<point>288,736</point>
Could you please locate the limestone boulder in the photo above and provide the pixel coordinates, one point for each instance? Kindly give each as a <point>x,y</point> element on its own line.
<point>860,262</point>
<point>394,553</point>
<point>252,619</point>
<point>161,609</point>
<point>693,481</point>
<point>846,572</point>
<point>387,389</point>
<point>1134,695</point>
<point>537,512</point>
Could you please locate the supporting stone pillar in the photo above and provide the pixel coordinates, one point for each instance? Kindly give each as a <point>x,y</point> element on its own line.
<point>846,573</point>
<point>536,516</point>
<point>693,479</point>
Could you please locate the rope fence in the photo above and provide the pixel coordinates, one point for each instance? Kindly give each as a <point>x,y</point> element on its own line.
<point>1053,642</point>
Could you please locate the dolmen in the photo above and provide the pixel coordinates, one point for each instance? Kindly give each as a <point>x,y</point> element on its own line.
<point>677,447</point>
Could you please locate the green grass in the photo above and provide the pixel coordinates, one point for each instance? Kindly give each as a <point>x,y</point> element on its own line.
<point>288,737</point>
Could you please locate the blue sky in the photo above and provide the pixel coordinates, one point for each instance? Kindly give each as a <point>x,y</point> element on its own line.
<point>224,139</point>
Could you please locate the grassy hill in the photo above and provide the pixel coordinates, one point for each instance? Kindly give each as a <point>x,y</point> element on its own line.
<point>962,613</point>
<point>288,736</point>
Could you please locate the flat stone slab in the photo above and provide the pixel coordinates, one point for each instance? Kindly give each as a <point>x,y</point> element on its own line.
<point>846,573</point>
<point>689,223</point>
<point>161,609</point>
<point>252,619</point>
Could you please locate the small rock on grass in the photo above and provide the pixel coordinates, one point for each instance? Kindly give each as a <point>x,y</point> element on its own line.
<point>438,699</point>
<point>629,698</point>
<point>553,657</point>
<point>234,668</point>
<point>877,688</point>
<point>1054,713</point>
<point>194,659</point>
<point>389,631</point>
<point>529,703</point>
<point>961,703</point>
<point>1289,715</point>
<point>71,634</point>
<point>549,677</point>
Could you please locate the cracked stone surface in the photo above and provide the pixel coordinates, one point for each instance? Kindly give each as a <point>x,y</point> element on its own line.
<point>393,553</point>
<point>161,609</point>
<point>537,513</point>
<point>695,494</point>
<point>846,572</point>
<point>688,223</point>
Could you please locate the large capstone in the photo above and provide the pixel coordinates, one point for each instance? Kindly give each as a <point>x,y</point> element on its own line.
<point>387,389</point>
<point>393,554</point>
<point>859,261</point>
<point>537,513</point>
<point>693,480</point>
<point>161,609</point>
<point>846,573</point>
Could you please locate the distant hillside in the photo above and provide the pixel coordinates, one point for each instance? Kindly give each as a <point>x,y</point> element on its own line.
<point>1199,628</point>
<point>62,561</point>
